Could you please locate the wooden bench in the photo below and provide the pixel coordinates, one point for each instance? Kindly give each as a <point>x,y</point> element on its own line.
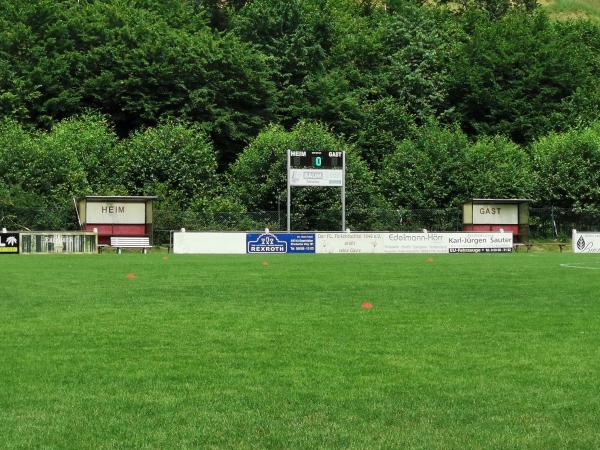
<point>130,242</point>
<point>519,245</point>
<point>561,245</point>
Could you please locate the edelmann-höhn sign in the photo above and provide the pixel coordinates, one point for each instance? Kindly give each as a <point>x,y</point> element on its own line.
<point>413,242</point>
<point>363,242</point>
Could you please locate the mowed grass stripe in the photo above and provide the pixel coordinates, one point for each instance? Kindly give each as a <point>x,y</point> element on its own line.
<point>466,351</point>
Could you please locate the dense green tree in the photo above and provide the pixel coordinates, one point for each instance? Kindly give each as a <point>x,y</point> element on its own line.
<point>496,168</point>
<point>519,77</point>
<point>567,168</point>
<point>134,62</point>
<point>174,160</point>
<point>426,171</point>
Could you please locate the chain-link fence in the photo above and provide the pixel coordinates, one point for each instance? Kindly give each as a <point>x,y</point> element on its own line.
<point>545,223</point>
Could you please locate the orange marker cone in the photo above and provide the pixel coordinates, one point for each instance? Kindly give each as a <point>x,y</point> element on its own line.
<point>366,305</point>
<point>131,276</point>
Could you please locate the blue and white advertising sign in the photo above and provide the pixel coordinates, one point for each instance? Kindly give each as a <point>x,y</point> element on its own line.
<point>280,242</point>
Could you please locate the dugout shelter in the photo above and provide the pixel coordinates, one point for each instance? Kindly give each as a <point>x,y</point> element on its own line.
<point>116,216</point>
<point>495,214</point>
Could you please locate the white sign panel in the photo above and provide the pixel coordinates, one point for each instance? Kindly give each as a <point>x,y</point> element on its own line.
<point>495,213</point>
<point>316,177</point>
<point>115,213</point>
<point>210,243</point>
<point>414,242</point>
<point>586,242</point>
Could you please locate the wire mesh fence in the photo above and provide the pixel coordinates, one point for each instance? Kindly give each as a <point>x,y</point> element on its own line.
<point>545,223</point>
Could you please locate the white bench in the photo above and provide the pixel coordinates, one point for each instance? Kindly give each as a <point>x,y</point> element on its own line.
<point>130,242</point>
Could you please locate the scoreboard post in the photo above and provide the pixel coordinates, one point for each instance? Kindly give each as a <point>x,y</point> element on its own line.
<point>316,168</point>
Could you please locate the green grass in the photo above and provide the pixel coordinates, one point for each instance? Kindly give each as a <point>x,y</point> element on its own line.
<point>466,351</point>
<point>573,9</point>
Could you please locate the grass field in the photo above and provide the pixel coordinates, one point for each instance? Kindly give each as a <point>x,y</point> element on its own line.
<point>458,351</point>
<point>573,9</point>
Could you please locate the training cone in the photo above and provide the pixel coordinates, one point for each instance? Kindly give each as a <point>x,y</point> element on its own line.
<point>265,263</point>
<point>366,305</point>
<point>131,276</point>
<point>165,258</point>
<point>429,260</point>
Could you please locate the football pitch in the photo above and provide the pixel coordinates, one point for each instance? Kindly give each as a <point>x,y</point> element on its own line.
<point>300,351</point>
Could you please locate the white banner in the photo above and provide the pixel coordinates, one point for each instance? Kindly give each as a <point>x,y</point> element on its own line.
<point>586,242</point>
<point>115,213</point>
<point>211,243</point>
<point>413,242</point>
<point>316,177</point>
<point>332,242</point>
<point>495,214</point>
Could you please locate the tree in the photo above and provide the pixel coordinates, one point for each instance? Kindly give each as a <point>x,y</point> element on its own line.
<point>567,167</point>
<point>426,171</point>
<point>174,160</point>
<point>519,77</point>
<point>496,168</point>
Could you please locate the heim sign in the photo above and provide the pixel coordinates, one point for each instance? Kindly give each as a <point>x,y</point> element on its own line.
<point>116,212</point>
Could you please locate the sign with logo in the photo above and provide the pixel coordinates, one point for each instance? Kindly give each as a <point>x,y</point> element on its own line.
<point>311,177</point>
<point>115,213</point>
<point>586,242</point>
<point>495,214</point>
<point>280,242</point>
<point>414,242</point>
<point>9,243</point>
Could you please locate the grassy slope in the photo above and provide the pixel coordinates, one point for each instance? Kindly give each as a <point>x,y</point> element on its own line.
<point>573,9</point>
<point>466,351</point>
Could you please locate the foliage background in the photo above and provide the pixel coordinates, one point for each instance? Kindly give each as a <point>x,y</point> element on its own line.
<point>196,101</point>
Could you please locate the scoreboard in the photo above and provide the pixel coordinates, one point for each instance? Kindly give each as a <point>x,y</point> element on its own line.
<point>316,160</point>
<point>316,168</point>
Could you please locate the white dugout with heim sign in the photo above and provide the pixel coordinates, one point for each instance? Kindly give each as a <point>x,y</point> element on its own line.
<point>341,243</point>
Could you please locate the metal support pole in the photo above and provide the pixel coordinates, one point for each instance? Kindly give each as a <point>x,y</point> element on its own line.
<point>343,191</point>
<point>289,194</point>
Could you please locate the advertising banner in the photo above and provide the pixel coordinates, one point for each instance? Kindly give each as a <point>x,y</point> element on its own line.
<point>414,242</point>
<point>9,243</point>
<point>336,242</point>
<point>280,242</point>
<point>586,242</point>
<point>315,177</point>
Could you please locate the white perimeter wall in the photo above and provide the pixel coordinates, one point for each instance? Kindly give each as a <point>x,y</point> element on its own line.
<point>363,242</point>
<point>211,243</point>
